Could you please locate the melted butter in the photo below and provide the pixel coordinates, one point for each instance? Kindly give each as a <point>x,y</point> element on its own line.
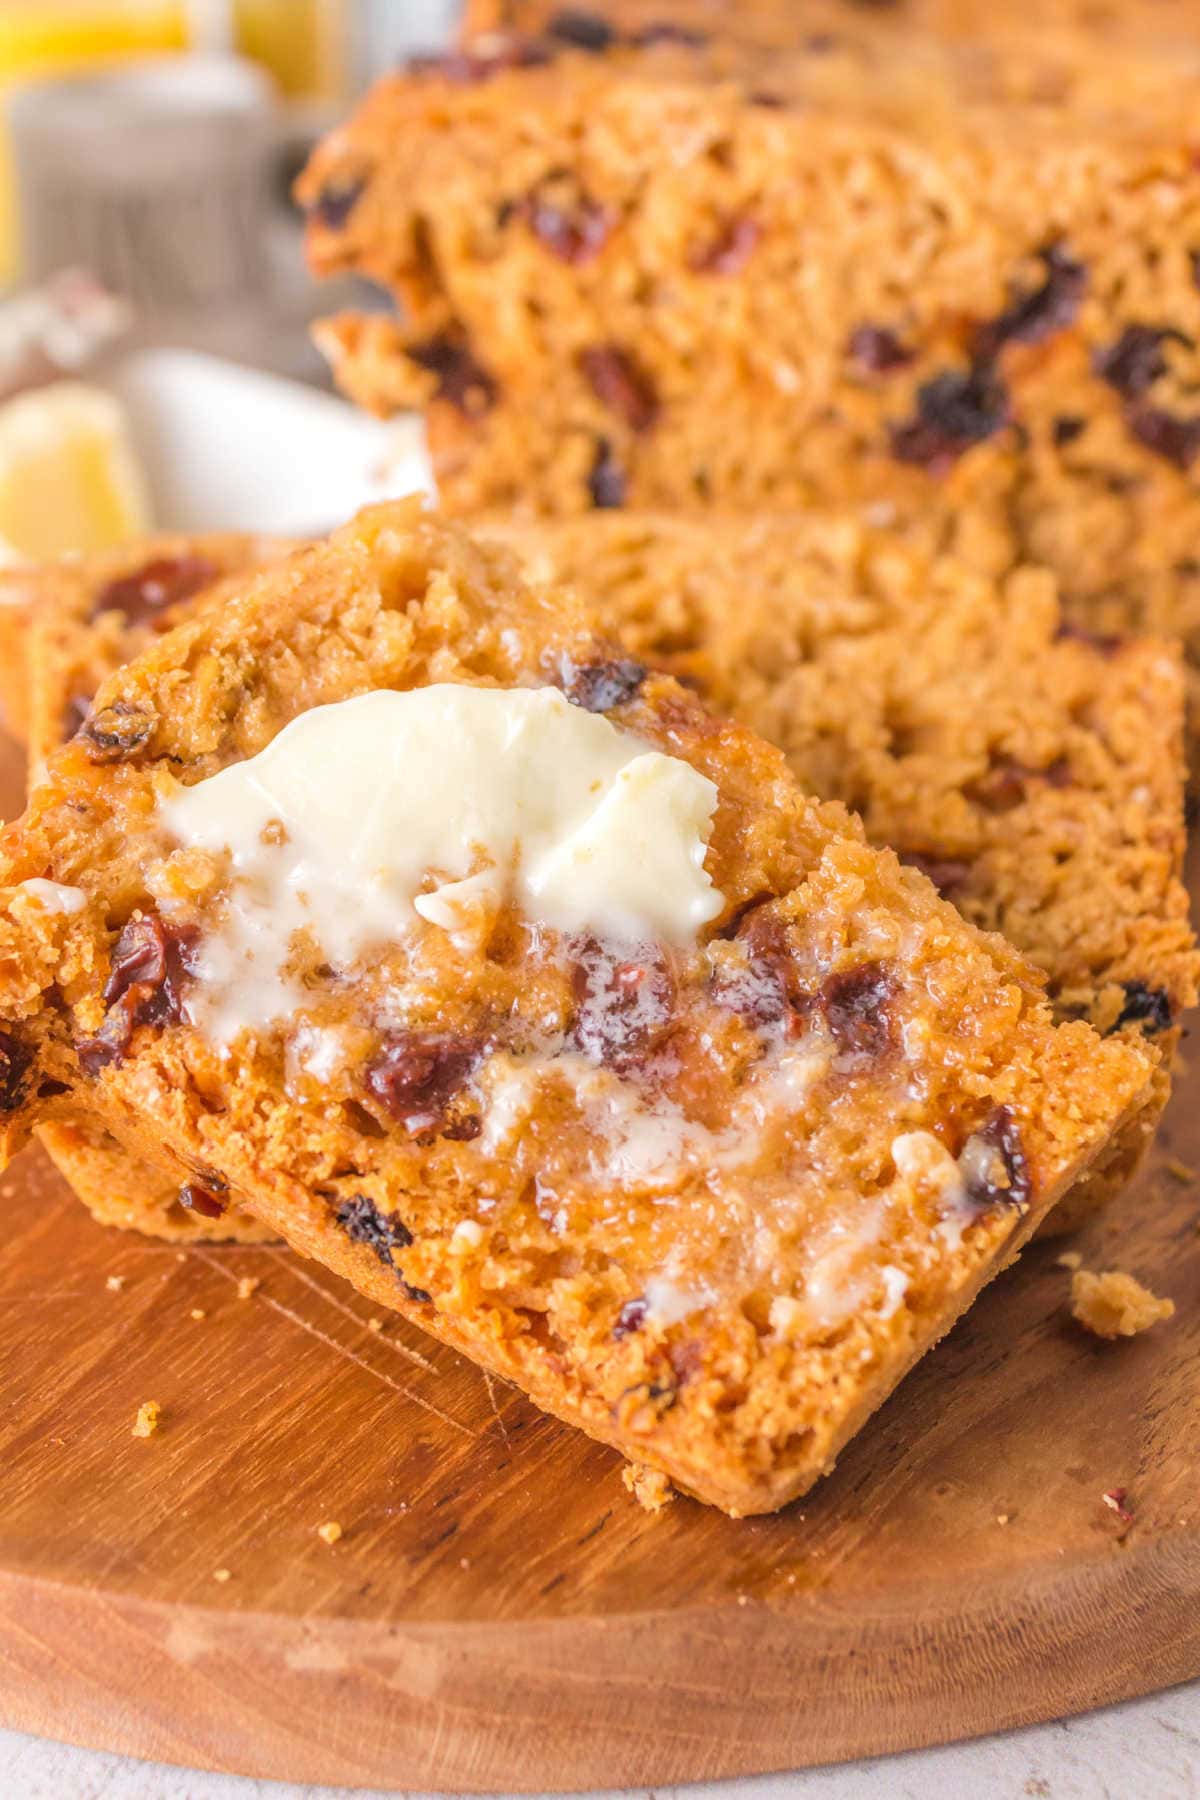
<point>52,896</point>
<point>442,802</point>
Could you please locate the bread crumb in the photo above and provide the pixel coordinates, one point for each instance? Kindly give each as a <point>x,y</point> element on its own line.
<point>1180,1170</point>
<point>222,1574</point>
<point>247,1285</point>
<point>1003,1518</point>
<point>649,1487</point>
<point>148,1419</point>
<point>197,1312</point>
<point>1070,1259</point>
<point>331,1531</point>
<point>1112,1304</point>
<point>115,1283</point>
<point>374,1324</point>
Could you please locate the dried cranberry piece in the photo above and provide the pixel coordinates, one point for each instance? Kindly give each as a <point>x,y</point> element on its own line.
<point>140,596</point>
<point>461,381</point>
<point>144,987</point>
<point>195,1197</point>
<point>877,349</point>
<point>1067,427</point>
<point>1007,782</point>
<point>582,30</point>
<point>1145,1006</point>
<point>117,731</point>
<point>955,410</point>
<point>334,204</point>
<point>467,68</point>
<point>109,1043</point>
<point>1167,434</point>
<point>949,874</point>
<point>998,1139</point>
<point>606,480</point>
<point>1136,361</point>
<point>417,1074</point>
<point>150,962</point>
<point>766,991</point>
<point>631,1317</point>
<point>1031,317</point>
<point>730,250</point>
<point>598,687</point>
<point>624,1006</point>
<point>621,385</point>
<point>16,1060</point>
<point>382,1233</point>
<point>855,1004</point>
<point>575,232</point>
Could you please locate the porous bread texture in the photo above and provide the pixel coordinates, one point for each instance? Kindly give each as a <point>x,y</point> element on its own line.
<point>920,1027</point>
<point>957,285</point>
<point>65,626</point>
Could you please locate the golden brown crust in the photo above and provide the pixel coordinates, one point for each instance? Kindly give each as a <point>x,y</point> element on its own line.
<point>88,615</point>
<point>814,1266</point>
<point>135,1191</point>
<point>65,626</point>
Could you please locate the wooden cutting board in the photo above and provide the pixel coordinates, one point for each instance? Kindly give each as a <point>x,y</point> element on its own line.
<point>498,1613</point>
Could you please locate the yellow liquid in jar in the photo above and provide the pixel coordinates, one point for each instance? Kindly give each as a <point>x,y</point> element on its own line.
<point>40,39</point>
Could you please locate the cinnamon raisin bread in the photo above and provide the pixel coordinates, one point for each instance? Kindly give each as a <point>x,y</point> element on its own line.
<point>623,1066</point>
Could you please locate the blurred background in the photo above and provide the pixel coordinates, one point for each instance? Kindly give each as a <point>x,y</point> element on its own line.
<point>147,151</point>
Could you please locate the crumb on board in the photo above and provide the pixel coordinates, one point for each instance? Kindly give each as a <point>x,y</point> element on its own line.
<point>331,1531</point>
<point>1112,1304</point>
<point>197,1312</point>
<point>1181,1171</point>
<point>115,1283</point>
<point>248,1285</point>
<point>1070,1259</point>
<point>1003,1518</point>
<point>649,1487</point>
<point>222,1574</point>
<point>374,1324</point>
<point>149,1417</point>
<point>1117,1500</point>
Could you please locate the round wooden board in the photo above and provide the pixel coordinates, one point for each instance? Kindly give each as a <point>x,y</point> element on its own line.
<point>498,1612</point>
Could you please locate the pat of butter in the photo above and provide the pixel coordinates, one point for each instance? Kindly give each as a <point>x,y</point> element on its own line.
<point>498,794</point>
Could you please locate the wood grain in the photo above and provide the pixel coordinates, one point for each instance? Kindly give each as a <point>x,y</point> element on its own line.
<point>499,1614</point>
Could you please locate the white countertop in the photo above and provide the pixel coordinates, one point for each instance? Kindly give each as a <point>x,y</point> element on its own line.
<point>1146,1750</point>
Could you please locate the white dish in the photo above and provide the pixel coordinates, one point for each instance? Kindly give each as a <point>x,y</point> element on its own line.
<point>226,448</point>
